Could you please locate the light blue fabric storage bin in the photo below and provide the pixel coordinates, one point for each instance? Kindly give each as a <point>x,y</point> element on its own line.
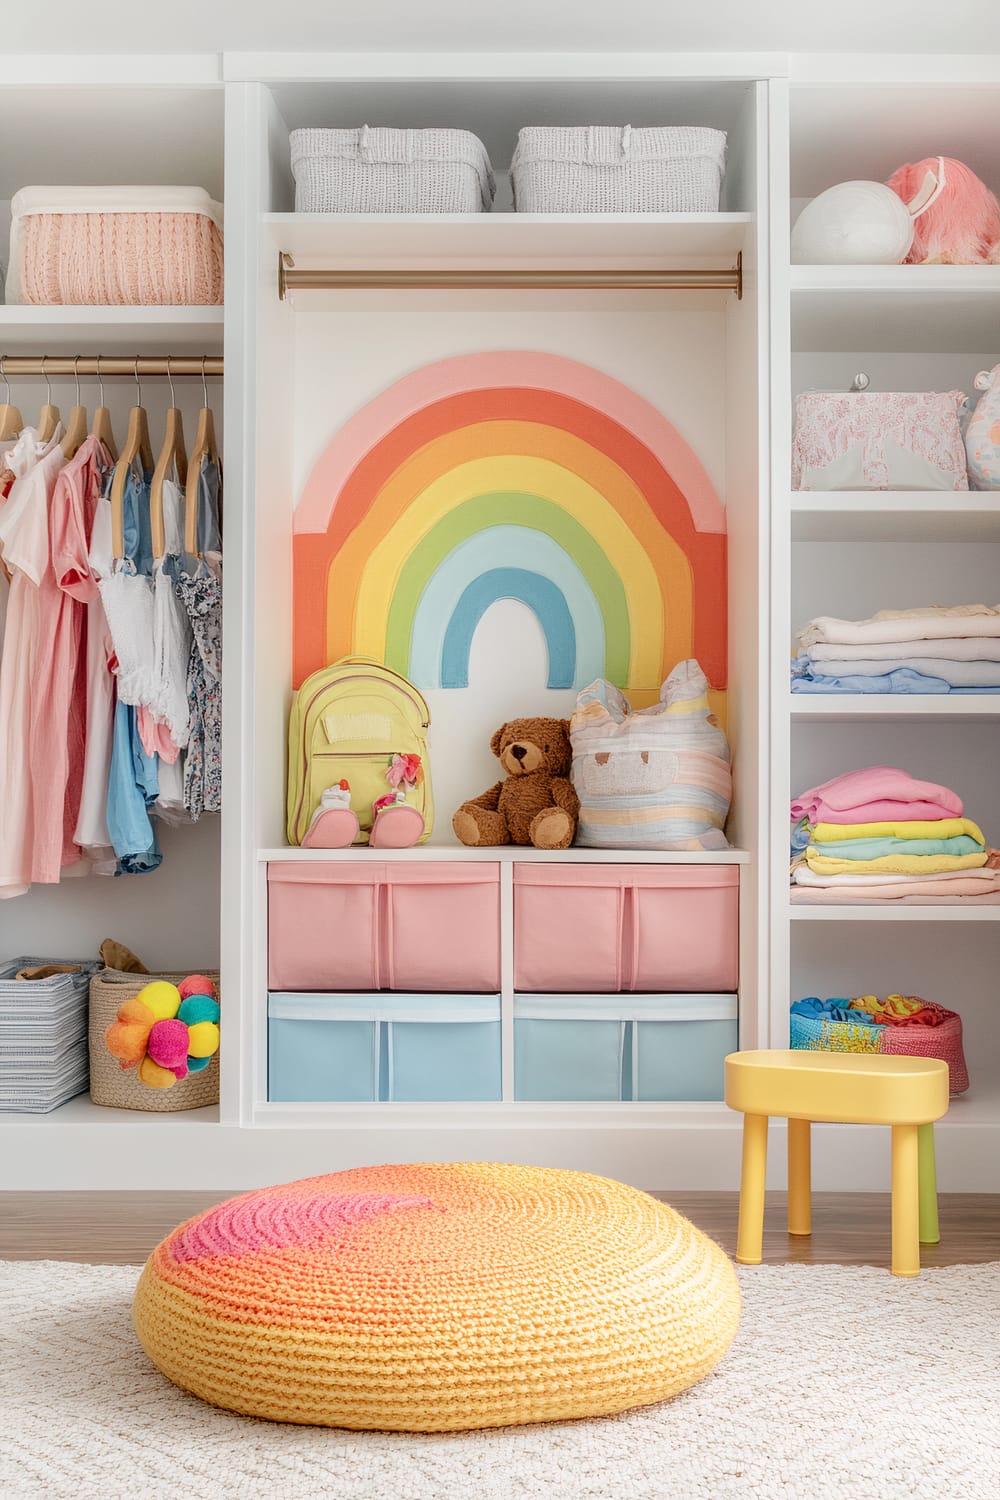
<point>604,1048</point>
<point>570,1047</point>
<point>442,1047</point>
<point>322,1048</point>
<point>333,1048</point>
<point>679,1043</point>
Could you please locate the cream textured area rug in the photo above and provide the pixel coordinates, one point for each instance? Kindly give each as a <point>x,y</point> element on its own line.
<point>843,1384</point>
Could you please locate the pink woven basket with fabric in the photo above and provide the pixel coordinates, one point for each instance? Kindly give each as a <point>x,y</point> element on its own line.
<point>944,1042</point>
<point>863,1034</point>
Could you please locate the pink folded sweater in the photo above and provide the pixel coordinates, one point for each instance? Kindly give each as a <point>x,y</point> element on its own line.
<point>876,794</point>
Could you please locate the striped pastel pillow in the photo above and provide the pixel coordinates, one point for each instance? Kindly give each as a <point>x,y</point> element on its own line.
<point>658,778</point>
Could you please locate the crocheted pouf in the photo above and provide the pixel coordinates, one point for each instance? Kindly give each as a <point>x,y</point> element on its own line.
<point>437,1297</point>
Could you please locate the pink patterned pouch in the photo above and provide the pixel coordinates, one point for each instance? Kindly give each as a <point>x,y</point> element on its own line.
<point>878,440</point>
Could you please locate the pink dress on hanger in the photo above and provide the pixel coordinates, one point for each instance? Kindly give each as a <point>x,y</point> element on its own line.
<point>25,674</point>
<point>75,501</point>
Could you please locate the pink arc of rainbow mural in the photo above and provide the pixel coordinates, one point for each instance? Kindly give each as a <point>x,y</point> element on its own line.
<point>511,475</point>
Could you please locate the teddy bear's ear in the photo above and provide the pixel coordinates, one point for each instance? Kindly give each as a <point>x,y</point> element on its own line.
<point>497,741</point>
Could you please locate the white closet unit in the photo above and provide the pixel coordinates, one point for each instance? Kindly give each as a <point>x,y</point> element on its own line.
<point>908,328</point>
<point>721,368</point>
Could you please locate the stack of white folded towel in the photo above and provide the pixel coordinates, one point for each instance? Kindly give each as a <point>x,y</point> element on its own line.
<point>931,649</point>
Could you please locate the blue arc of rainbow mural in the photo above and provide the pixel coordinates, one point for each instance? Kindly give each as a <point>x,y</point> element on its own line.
<point>511,475</point>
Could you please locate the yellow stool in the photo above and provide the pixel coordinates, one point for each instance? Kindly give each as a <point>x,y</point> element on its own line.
<point>850,1089</point>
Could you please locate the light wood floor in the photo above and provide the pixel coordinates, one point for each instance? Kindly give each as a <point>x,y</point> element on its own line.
<point>848,1228</point>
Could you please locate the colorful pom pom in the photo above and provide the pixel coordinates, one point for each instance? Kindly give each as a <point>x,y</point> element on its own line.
<point>203,1039</point>
<point>163,999</point>
<point>197,1064</point>
<point>196,984</point>
<point>198,1008</point>
<point>127,1042</point>
<point>155,1077</point>
<point>126,1037</point>
<point>168,1046</point>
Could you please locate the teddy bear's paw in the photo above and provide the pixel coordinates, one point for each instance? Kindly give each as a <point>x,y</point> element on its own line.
<point>552,828</point>
<point>466,828</point>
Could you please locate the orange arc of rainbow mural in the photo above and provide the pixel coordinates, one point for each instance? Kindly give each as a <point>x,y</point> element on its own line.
<point>520,475</point>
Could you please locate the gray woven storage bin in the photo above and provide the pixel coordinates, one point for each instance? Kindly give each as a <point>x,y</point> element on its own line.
<point>118,1087</point>
<point>43,1033</point>
<point>603,169</point>
<point>383,171</point>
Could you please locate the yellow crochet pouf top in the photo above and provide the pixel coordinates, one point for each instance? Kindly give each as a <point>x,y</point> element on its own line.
<point>436,1297</point>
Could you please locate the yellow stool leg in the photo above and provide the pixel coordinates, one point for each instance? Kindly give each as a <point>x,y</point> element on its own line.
<point>799,1178</point>
<point>930,1234</point>
<point>750,1230</point>
<point>905,1202</point>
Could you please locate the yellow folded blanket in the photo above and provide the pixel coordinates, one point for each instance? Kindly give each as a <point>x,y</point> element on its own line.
<point>895,864</point>
<point>947,828</point>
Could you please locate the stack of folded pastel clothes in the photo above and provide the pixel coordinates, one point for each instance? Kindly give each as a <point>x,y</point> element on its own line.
<point>879,835</point>
<point>902,1024</point>
<point>932,649</point>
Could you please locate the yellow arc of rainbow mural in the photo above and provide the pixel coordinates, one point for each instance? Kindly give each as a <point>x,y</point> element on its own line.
<point>511,475</point>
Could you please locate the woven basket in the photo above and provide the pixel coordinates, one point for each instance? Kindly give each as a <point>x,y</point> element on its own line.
<point>864,1035</point>
<point>390,172</point>
<point>118,1087</point>
<point>603,169</point>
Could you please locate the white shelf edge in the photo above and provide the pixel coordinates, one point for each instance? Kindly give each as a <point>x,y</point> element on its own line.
<point>893,913</point>
<point>509,853</point>
<point>582,240</point>
<point>850,707</point>
<point>937,279</point>
<point>905,501</point>
<point>894,515</point>
<point>83,1112</point>
<point>32,315</point>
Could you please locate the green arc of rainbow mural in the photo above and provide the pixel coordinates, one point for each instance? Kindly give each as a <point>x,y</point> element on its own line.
<point>544,477</point>
<point>491,522</point>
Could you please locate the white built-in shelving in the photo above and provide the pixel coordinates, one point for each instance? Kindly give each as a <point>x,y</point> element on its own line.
<point>851,553</point>
<point>730,369</point>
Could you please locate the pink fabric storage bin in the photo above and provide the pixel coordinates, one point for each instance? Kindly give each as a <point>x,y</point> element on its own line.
<point>375,925</point>
<point>684,929</point>
<point>601,929</point>
<point>322,927</point>
<point>442,927</point>
<point>568,928</point>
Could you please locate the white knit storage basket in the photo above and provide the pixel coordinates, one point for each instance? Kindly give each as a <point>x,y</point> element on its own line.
<point>601,169</point>
<point>382,171</point>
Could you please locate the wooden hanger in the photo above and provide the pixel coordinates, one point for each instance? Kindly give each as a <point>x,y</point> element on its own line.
<point>11,421</point>
<point>101,427</point>
<point>137,445</point>
<point>173,458</point>
<point>76,427</point>
<point>48,418</point>
<point>205,446</point>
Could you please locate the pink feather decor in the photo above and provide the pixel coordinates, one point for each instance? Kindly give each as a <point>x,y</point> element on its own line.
<point>961,224</point>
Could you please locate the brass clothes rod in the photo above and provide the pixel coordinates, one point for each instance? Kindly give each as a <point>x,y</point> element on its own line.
<point>14,365</point>
<point>504,278</point>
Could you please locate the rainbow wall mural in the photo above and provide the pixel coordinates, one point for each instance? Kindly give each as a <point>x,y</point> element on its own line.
<point>511,475</point>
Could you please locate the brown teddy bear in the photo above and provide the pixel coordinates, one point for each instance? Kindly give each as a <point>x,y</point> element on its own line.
<point>537,804</point>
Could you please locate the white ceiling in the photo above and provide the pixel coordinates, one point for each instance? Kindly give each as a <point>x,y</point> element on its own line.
<point>506,25</point>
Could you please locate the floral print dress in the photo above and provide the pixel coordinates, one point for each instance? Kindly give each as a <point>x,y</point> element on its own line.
<point>199,586</point>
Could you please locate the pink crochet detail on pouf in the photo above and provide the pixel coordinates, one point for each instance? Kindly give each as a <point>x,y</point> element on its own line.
<point>282,1222</point>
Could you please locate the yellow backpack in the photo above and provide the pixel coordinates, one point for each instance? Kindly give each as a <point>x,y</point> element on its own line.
<point>347,722</point>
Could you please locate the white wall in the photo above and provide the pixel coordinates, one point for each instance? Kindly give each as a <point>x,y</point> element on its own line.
<point>518,25</point>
